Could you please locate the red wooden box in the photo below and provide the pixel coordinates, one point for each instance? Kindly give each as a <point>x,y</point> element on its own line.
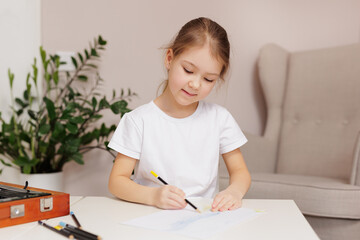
<point>33,209</point>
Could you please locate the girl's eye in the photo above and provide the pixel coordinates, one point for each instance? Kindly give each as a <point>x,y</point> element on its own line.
<point>209,80</point>
<point>187,71</point>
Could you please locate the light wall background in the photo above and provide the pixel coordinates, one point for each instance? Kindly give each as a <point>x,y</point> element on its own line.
<point>20,38</point>
<point>136,30</point>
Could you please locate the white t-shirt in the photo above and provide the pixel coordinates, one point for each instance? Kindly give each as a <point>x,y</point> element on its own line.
<point>182,151</point>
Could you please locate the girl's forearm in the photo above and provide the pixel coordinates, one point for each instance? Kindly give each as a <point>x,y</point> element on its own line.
<point>126,189</point>
<point>240,182</point>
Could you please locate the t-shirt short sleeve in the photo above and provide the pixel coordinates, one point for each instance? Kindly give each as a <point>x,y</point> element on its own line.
<point>231,136</point>
<point>127,138</point>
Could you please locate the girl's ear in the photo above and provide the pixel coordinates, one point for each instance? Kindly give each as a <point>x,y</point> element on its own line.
<point>168,58</point>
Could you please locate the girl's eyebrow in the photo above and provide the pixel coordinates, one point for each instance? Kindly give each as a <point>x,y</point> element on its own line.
<point>216,74</point>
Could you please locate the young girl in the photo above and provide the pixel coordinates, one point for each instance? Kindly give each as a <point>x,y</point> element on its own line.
<point>179,136</point>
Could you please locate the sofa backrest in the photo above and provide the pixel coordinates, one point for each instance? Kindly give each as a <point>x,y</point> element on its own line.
<point>321,112</point>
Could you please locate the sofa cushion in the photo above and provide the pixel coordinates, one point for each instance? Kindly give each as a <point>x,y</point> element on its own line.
<point>316,196</point>
<point>321,116</point>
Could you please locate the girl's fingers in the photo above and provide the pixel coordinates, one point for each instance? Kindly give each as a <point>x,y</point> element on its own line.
<point>225,201</point>
<point>177,195</point>
<point>172,204</point>
<point>216,202</point>
<point>171,197</point>
<point>177,191</point>
<point>226,206</point>
<point>235,206</point>
<point>178,199</point>
<point>222,204</point>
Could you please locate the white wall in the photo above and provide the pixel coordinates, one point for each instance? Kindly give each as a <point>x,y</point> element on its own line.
<point>137,29</point>
<point>19,43</point>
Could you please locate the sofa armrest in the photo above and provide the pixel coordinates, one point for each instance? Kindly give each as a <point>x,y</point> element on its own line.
<point>260,153</point>
<point>355,174</point>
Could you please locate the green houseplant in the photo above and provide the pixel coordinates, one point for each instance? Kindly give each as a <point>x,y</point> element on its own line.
<point>48,130</point>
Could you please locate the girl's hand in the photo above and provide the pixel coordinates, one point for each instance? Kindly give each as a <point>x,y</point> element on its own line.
<point>226,200</point>
<point>169,197</point>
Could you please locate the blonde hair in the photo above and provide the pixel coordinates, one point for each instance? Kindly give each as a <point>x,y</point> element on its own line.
<point>199,32</point>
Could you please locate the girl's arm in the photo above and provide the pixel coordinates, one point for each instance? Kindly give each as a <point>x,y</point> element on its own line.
<point>120,185</point>
<point>240,180</point>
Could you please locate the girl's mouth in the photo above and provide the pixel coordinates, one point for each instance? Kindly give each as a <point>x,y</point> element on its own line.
<point>189,94</point>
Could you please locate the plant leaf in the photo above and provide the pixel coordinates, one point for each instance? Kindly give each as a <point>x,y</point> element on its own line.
<point>81,57</point>
<point>35,72</point>
<point>11,78</point>
<point>26,95</point>
<point>25,137</point>
<point>21,161</point>
<point>78,157</point>
<point>87,138</point>
<point>101,41</point>
<point>43,146</point>
<point>44,129</point>
<point>5,163</point>
<point>94,102</point>
<point>119,106</point>
<point>50,108</point>
<point>77,120</point>
<point>32,114</point>
<point>66,114</point>
<point>72,145</point>
<point>74,62</point>
<point>72,128</point>
<point>94,53</point>
<point>87,54</point>
<point>91,65</point>
<point>59,131</point>
<point>104,103</point>
<point>57,61</point>
<point>26,169</point>
<point>42,54</point>
<point>106,143</point>
<point>20,102</point>
<point>83,78</point>
<point>56,77</point>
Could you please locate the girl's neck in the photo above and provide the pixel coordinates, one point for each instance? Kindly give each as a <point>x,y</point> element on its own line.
<point>171,107</point>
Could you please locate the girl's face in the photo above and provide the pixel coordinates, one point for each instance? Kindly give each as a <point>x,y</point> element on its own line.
<point>192,74</point>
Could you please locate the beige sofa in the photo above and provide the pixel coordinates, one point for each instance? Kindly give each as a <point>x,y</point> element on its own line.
<point>310,150</point>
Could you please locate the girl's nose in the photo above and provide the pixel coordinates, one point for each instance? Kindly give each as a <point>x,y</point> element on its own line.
<point>194,83</point>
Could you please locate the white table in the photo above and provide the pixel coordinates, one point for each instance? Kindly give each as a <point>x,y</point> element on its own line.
<point>281,219</point>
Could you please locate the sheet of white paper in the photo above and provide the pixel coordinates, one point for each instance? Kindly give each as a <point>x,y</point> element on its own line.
<point>190,223</point>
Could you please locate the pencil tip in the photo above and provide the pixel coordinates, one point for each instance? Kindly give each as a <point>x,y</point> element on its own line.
<point>198,210</point>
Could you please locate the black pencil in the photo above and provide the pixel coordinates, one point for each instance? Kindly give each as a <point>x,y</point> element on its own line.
<point>79,231</point>
<point>65,234</point>
<point>163,181</point>
<point>61,229</point>
<point>75,219</point>
<point>77,234</point>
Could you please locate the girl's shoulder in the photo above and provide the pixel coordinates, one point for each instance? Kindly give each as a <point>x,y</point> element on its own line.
<point>141,111</point>
<point>214,108</point>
